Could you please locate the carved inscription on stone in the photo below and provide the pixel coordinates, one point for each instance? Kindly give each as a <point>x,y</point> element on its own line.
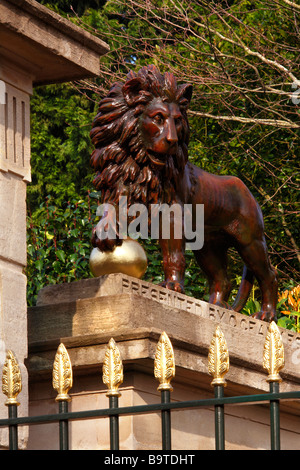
<point>164,296</point>
<point>201,308</point>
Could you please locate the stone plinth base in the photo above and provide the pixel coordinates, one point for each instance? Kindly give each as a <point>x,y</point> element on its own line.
<point>84,315</point>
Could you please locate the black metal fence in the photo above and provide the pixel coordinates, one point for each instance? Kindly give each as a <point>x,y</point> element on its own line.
<point>164,371</point>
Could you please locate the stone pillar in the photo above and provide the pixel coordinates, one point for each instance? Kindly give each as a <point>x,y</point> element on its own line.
<point>37,47</point>
<point>15,90</point>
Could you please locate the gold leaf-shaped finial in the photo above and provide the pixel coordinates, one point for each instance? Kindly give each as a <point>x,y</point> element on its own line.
<point>164,363</point>
<point>62,376</point>
<point>112,369</point>
<point>273,357</point>
<point>11,379</point>
<point>218,358</point>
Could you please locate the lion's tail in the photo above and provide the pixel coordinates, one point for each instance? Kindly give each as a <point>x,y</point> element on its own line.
<point>244,290</point>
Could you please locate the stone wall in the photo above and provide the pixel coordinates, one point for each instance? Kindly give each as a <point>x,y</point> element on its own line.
<point>84,315</point>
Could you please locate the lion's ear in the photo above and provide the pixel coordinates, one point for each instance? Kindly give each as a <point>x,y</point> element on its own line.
<point>184,95</point>
<point>131,89</point>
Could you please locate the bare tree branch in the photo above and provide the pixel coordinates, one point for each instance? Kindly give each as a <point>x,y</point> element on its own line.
<point>266,122</point>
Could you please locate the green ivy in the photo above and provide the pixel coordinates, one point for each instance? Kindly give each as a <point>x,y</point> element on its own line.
<point>58,244</point>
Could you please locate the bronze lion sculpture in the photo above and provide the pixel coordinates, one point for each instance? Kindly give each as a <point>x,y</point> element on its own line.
<point>141,136</point>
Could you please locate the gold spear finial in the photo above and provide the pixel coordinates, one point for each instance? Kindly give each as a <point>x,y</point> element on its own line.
<point>62,376</point>
<point>164,363</point>
<point>112,369</point>
<point>218,358</point>
<point>273,356</point>
<point>11,379</point>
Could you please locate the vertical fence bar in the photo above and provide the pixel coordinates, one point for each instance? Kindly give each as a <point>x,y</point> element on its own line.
<point>166,421</point>
<point>219,419</point>
<point>63,426</point>
<point>218,366</point>
<point>11,387</point>
<point>114,423</point>
<point>274,418</point>
<point>113,377</point>
<point>62,381</point>
<point>13,429</point>
<point>273,362</point>
<point>164,371</point>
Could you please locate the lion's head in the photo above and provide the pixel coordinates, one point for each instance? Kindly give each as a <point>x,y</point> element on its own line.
<point>141,138</point>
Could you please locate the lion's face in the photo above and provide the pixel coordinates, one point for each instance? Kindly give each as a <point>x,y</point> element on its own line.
<point>141,135</point>
<point>161,126</point>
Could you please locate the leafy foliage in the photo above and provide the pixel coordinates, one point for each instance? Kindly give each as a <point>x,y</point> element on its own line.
<point>289,304</point>
<point>60,144</point>
<point>58,244</point>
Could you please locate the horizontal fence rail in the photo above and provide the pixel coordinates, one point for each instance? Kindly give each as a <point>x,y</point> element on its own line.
<point>164,372</point>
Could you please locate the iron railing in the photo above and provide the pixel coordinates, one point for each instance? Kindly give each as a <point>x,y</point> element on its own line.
<point>164,371</point>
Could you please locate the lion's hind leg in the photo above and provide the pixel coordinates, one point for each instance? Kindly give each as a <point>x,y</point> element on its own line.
<point>255,256</point>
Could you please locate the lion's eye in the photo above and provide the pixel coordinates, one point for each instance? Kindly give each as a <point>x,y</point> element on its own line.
<point>178,121</point>
<point>158,118</point>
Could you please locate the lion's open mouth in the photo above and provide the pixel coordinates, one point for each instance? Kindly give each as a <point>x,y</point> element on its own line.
<point>157,158</point>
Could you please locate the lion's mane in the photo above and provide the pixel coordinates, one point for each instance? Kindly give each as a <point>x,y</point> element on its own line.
<point>120,158</point>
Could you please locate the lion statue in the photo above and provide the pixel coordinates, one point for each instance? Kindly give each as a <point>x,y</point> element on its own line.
<point>141,136</point>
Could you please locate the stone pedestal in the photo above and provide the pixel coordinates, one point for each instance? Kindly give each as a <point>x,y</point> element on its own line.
<point>84,315</point>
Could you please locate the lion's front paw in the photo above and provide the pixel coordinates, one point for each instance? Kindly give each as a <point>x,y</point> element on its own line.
<point>173,285</point>
<point>265,315</point>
